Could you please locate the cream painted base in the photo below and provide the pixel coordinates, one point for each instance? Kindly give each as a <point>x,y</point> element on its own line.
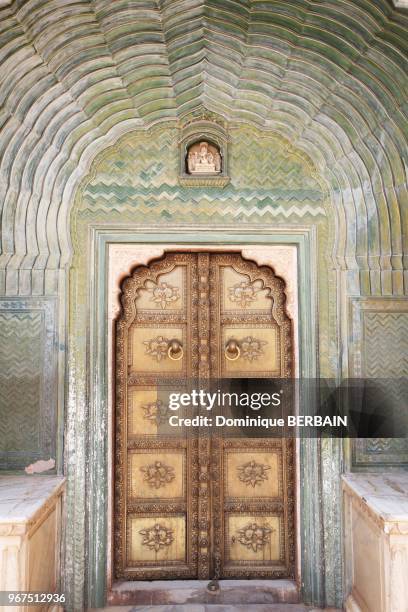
<point>30,527</point>
<point>351,605</point>
<point>376,542</point>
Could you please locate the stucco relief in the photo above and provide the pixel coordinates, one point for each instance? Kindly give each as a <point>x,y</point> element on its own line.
<point>122,258</point>
<point>203,158</point>
<point>283,261</point>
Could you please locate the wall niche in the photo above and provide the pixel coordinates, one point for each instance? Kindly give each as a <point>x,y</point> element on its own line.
<point>204,155</point>
<point>203,158</point>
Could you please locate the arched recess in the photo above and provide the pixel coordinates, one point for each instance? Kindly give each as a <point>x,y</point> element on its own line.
<point>279,198</point>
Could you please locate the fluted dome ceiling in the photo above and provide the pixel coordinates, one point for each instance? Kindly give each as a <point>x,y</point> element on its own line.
<point>328,75</point>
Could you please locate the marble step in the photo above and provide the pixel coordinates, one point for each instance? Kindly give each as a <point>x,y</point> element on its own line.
<point>195,593</point>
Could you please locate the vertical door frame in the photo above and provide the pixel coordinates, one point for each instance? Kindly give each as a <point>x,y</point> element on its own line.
<point>97,521</point>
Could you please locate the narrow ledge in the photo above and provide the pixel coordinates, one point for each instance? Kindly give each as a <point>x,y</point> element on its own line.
<point>204,181</point>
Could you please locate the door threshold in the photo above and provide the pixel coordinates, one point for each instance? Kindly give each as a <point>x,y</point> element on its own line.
<point>160,592</point>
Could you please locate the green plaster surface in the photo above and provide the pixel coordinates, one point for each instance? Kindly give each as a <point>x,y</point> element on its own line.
<point>28,407</point>
<point>330,77</point>
<point>138,180</point>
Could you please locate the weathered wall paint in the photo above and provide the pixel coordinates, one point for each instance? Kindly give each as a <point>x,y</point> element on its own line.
<point>28,395</point>
<point>379,349</point>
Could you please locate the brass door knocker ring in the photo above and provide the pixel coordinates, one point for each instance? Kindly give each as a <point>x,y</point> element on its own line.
<point>175,350</point>
<point>232,350</point>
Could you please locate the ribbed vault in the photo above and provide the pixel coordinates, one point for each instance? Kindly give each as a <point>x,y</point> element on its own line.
<point>328,75</point>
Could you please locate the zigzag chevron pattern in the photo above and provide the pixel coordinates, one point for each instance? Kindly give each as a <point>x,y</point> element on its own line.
<point>267,181</point>
<point>386,356</point>
<point>19,414</point>
<point>386,344</point>
<point>21,364</point>
<point>385,446</point>
<point>20,344</point>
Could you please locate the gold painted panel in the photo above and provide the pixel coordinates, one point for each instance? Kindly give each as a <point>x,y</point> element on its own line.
<point>253,538</point>
<point>253,474</point>
<point>166,293</point>
<point>157,475</point>
<point>157,539</point>
<point>144,412</point>
<point>148,349</point>
<point>259,350</point>
<point>238,292</point>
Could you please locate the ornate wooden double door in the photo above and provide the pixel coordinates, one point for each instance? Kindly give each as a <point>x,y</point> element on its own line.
<point>199,506</point>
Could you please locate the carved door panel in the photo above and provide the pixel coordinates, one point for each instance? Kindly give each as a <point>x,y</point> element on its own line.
<point>253,479</point>
<point>199,507</point>
<point>156,476</point>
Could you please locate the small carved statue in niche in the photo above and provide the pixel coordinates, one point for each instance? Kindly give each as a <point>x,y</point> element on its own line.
<point>203,158</point>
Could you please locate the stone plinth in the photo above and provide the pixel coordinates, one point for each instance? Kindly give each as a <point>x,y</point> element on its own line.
<point>376,542</point>
<point>30,526</point>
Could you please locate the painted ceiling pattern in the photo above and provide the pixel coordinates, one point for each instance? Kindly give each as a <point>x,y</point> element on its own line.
<point>328,76</point>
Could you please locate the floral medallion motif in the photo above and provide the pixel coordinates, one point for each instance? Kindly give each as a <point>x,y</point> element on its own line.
<point>157,474</point>
<point>157,347</point>
<point>156,412</point>
<point>156,537</point>
<point>245,292</point>
<point>251,348</point>
<point>254,536</point>
<point>253,473</point>
<point>164,294</point>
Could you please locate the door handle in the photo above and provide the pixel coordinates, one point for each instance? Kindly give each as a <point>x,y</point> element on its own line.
<point>175,350</point>
<point>232,350</point>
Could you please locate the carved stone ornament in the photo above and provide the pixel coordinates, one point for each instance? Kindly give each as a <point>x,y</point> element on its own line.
<point>157,474</point>
<point>157,537</point>
<point>203,158</point>
<point>157,347</point>
<point>251,348</point>
<point>253,473</point>
<point>245,292</point>
<point>254,536</point>
<point>164,294</point>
